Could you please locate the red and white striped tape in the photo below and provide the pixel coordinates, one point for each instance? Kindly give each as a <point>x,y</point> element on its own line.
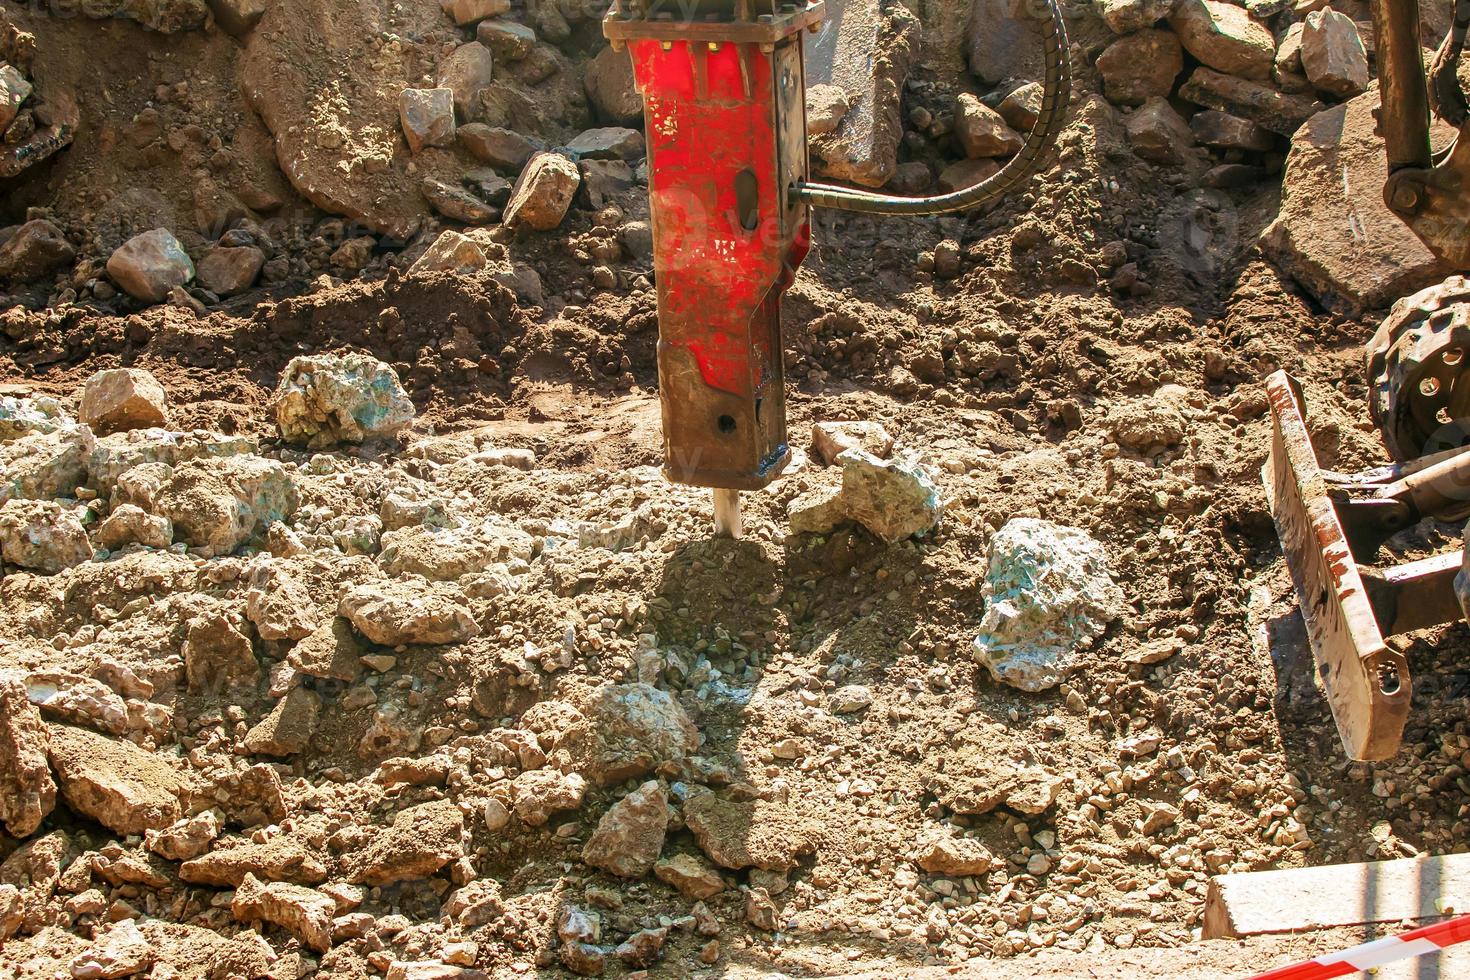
<point>1420,942</point>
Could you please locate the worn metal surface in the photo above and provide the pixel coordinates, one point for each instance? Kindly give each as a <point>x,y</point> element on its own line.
<point>726,120</point>
<point>1367,685</point>
<point>1418,366</point>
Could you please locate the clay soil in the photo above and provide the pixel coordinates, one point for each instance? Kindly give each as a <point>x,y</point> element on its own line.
<point>1012,381</point>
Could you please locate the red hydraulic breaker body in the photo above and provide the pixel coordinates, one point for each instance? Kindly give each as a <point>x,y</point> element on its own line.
<point>724,95</point>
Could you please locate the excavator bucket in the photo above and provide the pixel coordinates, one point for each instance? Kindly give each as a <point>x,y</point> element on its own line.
<point>1367,684</point>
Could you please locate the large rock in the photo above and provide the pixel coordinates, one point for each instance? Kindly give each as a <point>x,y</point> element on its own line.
<point>1048,594</point>
<point>27,791</point>
<point>1003,41</point>
<point>228,271</point>
<point>466,12</point>
<point>452,252</point>
<point>150,265</point>
<point>983,132</point>
<point>122,399</point>
<point>1127,16</point>
<point>1224,37</point>
<point>217,655</point>
<point>628,730</point>
<point>630,836</point>
<point>831,439</point>
<point>739,834</point>
<point>826,107</point>
<point>120,950</point>
<point>125,788</point>
<point>866,48</point>
<point>1334,234</point>
<point>287,730</point>
<point>217,505</point>
<point>503,149</point>
<point>36,249</point>
<point>20,417</point>
<point>409,612</point>
<point>303,912</point>
<point>467,70</point>
<point>946,854</point>
<point>895,499</point>
<point>607,143</point>
<point>324,400</point>
<point>1158,133</point>
<point>42,536</point>
<point>539,794</point>
<point>506,39</point>
<point>1226,132</point>
<point>427,117</point>
<point>77,700</point>
<point>238,17</point>
<point>128,524</point>
<point>1141,66</point>
<point>1333,55</point>
<point>421,840</point>
<point>449,554</point>
<point>611,90</point>
<point>543,193</point>
<point>1278,111</point>
<point>50,462</point>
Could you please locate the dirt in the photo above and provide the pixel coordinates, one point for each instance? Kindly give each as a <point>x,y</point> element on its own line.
<point>1035,384</point>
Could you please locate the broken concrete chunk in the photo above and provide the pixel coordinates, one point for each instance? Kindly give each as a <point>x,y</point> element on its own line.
<point>409,612</point>
<point>150,265</point>
<point>630,836</point>
<point>122,399</point>
<point>1332,54</point>
<point>303,912</point>
<point>1048,594</point>
<point>334,398</point>
<point>27,791</point>
<point>125,788</point>
<point>427,117</point>
<point>1141,66</point>
<point>42,536</point>
<point>543,193</point>
<point>1224,37</point>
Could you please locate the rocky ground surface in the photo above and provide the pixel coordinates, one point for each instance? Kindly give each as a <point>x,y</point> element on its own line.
<point>347,627</point>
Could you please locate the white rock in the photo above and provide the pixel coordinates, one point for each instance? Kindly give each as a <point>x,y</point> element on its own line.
<point>42,536</point>
<point>329,399</point>
<point>120,951</point>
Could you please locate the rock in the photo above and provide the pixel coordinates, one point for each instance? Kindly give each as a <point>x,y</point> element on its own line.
<point>150,265</point>
<point>465,12</point>
<point>20,417</point>
<point>427,117</point>
<point>867,52</point>
<point>1342,245</point>
<point>121,950</point>
<point>911,177</point>
<point>1332,54</point>
<point>628,730</point>
<point>851,699</point>
<point>476,904</point>
<point>507,39</point>
<point>630,836</point>
<point>605,180</point>
<point>238,17</point>
<point>971,785</point>
<point>894,499</point>
<point>1149,424</point>
<point>217,656</point>
<point>542,792</point>
<point>1127,16</point>
<point>832,439</point>
<point>470,68</point>
<point>433,970</point>
<point>946,854</point>
<point>277,601</point>
<point>739,834</point>
<point>1277,111</point>
<point>422,840</point>
<point>123,399</point>
<point>36,249</point>
<point>1022,106</point>
<point>983,132</point>
<point>186,839</point>
<point>583,959</point>
<point>642,949</point>
<point>128,524</point>
<point>690,876</point>
<point>611,90</point>
<point>503,149</point>
<point>966,173</point>
<point>826,107</point>
<point>1158,133</point>
<point>456,203</point>
<point>333,398</point>
<point>760,910</point>
<point>283,857</point>
<point>217,505</point>
<point>406,612</point>
<point>229,271</point>
<point>543,193</point>
<point>1226,132</point>
<point>78,700</point>
<point>42,536</point>
<point>1003,40</point>
<point>331,652</point>
<point>1224,37</point>
<point>608,143</point>
<point>14,90</point>
<point>127,789</point>
<point>287,730</point>
<point>45,464</point>
<point>27,791</point>
<point>1048,594</point>
<point>452,252</point>
<point>303,912</point>
<point>1141,66</point>
<point>1289,52</point>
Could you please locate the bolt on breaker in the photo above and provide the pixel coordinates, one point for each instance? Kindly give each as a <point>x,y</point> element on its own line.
<point>724,93</point>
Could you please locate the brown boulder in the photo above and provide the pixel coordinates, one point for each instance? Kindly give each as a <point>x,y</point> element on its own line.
<point>27,791</point>
<point>630,836</point>
<point>121,786</point>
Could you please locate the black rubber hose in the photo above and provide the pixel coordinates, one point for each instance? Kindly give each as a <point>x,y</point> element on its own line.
<point>1056,89</point>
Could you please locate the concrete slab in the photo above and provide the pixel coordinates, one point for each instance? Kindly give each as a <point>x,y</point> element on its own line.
<point>1299,899</point>
<point>866,48</point>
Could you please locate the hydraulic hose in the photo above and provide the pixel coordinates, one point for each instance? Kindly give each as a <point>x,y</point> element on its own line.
<point>1056,91</point>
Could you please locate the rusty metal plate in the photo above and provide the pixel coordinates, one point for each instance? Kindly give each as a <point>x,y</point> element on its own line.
<point>1367,684</point>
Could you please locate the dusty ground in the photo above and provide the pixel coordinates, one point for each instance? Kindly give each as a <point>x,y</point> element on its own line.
<point>1012,380</point>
